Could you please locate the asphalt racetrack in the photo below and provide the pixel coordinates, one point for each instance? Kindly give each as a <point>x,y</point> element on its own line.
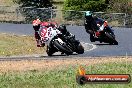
<point>123,36</point>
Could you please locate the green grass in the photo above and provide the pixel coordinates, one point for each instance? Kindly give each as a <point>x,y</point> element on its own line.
<point>18,45</point>
<point>63,77</point>
<point>7,2</point>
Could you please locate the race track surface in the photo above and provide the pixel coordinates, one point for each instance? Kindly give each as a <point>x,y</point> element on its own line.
<point>123,36</point>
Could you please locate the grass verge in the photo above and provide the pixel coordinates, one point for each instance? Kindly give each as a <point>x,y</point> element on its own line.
<point>18,45</point>
<point>63,76</point>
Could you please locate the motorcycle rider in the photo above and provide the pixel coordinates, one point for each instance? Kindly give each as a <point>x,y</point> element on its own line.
<point>94,23</point>
<point>90,23</point>
<point>36,26</point>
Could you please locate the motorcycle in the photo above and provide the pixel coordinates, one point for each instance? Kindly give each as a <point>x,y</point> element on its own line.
<point>56,41</point>
<point>106,35</point>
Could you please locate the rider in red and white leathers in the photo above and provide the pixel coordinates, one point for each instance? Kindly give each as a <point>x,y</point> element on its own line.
<point>36,25</point>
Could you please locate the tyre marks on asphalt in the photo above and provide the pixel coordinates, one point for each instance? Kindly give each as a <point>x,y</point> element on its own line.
<point>88,46</point>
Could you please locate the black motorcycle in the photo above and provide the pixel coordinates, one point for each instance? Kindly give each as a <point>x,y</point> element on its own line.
<point>56,41</point>
<point>106,35</point>
<point>65,45</point>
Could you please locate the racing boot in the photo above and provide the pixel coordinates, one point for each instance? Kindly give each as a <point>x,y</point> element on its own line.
<point>39,44</point>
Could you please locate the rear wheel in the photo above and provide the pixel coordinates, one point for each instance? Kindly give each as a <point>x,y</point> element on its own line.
<point>115,43</point>
<point>62,47</point>
<point>111,39</point>
<point>80,49</point>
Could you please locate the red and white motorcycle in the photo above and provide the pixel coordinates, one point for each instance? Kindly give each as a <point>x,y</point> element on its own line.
<point>56,41</point>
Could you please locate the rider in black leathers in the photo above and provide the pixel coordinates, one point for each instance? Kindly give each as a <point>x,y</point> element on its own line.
<point>90,23</point>
<point>93,23</point>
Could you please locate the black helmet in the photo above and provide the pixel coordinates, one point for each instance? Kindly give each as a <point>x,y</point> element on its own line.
<point>88,15</point>
<point>62,28</point>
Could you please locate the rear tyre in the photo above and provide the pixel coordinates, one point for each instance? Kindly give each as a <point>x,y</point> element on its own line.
<point>111,39</point>
<point>62,47</point>
<point>115,43</point>
<point>80,49</point>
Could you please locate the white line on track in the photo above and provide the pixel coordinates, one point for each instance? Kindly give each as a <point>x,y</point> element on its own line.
<point>85,45</point>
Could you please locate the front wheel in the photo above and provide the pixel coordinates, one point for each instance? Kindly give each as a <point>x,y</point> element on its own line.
<point>114,43</point>
<point>111,38</point>
<point>62,47</point>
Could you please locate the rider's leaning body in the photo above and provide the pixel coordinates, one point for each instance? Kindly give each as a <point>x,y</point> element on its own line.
<point>94,23</point>
<point>37,24</point>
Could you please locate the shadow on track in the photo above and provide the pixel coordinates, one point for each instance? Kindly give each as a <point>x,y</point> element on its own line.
<point>58,55</point>
<point>101,44</point>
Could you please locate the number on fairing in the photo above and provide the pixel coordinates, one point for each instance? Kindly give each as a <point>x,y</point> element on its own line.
<point>60,40</point>
<point>43,32</point>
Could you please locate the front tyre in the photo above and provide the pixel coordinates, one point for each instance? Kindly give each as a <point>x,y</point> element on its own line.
<point>62,47</point>
<point>115,42</point>
<point>111,40</point>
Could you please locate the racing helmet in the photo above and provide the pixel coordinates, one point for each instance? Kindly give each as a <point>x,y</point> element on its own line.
<point>36,22</point>
<point>88,13</point>
<point>63,29</point>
